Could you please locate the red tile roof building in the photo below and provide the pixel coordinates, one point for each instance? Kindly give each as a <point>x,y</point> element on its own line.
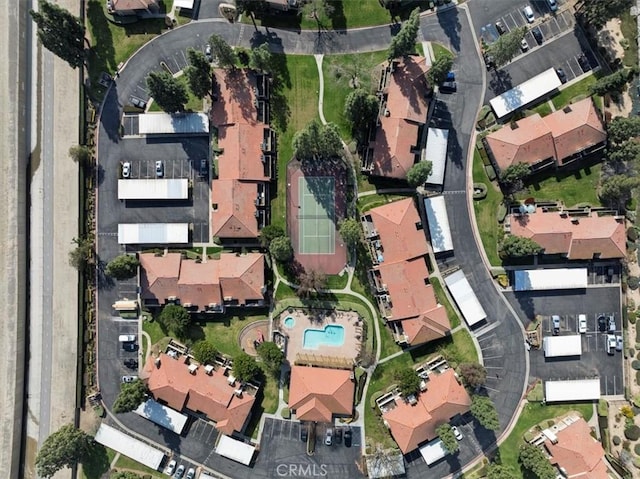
<point>557,139</point>
<point>576,237</point>
<point>399,248</point>
<point>403,113</point>
<point>320,394</point>
<point>413,424</point>
<point>216,395</point>
<point>208,286</point>
<point>577,453</point>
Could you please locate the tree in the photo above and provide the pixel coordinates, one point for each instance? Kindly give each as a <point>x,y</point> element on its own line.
<point>245,368</point>
<point>445,433</point>
<point>60,32</point>
<point>198,73</point>
<point>269,233</point>
<point>439,69</point>
<point>598,12</point>
<point>260,59</point>
<point>625,153</point>
<point>81,154</point>
<point>317,9</point>
<point>317,141</point>
<point>272,356</point>
<point>175,318</point>
<point>473,374</point>
<point>616,190</point>
<point>507,46</point>
<point>532,458</point>
<point>621,129</point>
<point>360,110</point>
<point>518,247</point>
<point>408,381</point>
<point>311,281</point>
<point>64,448</point>
<point>405,41</point>
<point>124,266</point>
<point>613,83</point>
<point>130,397</point>
<point>124,475</point>
<point>280,248</point>
<point>222,52</point>
<point>484,411</point>
<point>498,471</point>
<point>80,256</point>
<point>350,231</point>
<point>167,92</point>
<point>419,173</point>
<point>204,352</point>
<point>512,176</point>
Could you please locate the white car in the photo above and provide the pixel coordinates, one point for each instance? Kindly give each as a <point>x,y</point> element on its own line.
<point>524,46</point>
<point>611,344</point>
<point>126,169</point>
<point>190,473</point>
<point>582,323</point>
<point>528,14</point>
<point>129,379</point>
<point>457,433</point>
<point>618,343</point>
<point>328,437</point>
<point>159,169</point>
<point>171,467</point>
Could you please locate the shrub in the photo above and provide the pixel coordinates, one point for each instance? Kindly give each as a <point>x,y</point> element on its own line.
<point>635,364</point>
<point>285,413</point>
<point>636,449</point>
<point>502,214</point>
<point>626,445</point>
<point>632,352</point>
<point>632,234</point>
<point>633,282</point>
<point>616,440</point>
<point>631,317</point>
<point>632,433</point>
<point>491,173</point>
<point>479,191</point>
<point>638,380</point>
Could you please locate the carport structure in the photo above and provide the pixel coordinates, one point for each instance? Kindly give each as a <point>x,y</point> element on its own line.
<point>573,390</point>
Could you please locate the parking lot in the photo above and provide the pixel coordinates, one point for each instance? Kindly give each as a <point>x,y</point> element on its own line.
<point>568,304</point>
<point>172,168</point>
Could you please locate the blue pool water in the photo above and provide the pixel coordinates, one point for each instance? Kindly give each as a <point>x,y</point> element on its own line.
<point>331,335</point>
<point>289,322</point>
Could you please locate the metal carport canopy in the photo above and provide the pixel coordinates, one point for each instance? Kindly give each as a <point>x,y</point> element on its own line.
<point>572,390</point>
<point>186,4</point>
<point>153,233</point>
<point>558,278</point>
<point>129,446</point>
<point>525,93</point>
<point>162,415</point>
<point>153,189</point>
<point>236,450</point>
<point>465,298</point>
<point>555,346</point>
<point>439,230</point>
<point>433,451</point>
<point>167,124</point>
<point>436,153</point>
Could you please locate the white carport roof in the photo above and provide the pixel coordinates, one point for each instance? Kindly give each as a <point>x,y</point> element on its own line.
<point>153,233</point>
<point>129,446</point>
<point>156,123</point>
<point>465,298</point>
<point>525,93</point>
<point>186,4</point>
<point>559,278</point>
<point>236,450</point>
<point>162,415</point>
<point>573,390</point>
<point>433,451</point>
<point>438,220</point>
<point>436,153</point>
<point>555,346</point>
<point>153,189</point>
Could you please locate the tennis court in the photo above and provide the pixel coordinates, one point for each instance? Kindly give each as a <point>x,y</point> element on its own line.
<point>316,215</point>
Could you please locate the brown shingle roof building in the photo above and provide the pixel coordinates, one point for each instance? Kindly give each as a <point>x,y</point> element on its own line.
<point>556,137</point>
<point>170,381</point>
<point>319,394</point>
<point>230,280</point>
<point>584,237</point>
<point>578,453</point>
<point>413,424</point>
<point>233,215</point>
<point>404,112</point>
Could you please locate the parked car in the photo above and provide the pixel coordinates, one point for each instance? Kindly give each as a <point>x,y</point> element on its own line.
<point>126,169</point>
<point>171,467</point>
<point>207,52</point>
<point>190,473</point>
<point>501,28</point>
<point>582,323</point>
<point>528,14</point>
<point>338,435</point>
<point>524,46</point>
<point>159,169</point>
<point>127,338</point>
<point>612,324</point>
<point>553,5</point>
<point>304,433</point>
<point>602,324</point>
<point>448,87</point>
<point>537,34</point>
<point>328,437</point>
<point>561,75</point>
<point>489,60</point>
<point>584,63</point>
<point>451,76</point>
<point>204,168</point>
<point>131,363</point>
<point>179,473</point>
<point>555,323</point>
<point>611,344</point>
<point>129,379</point>
<point>619,343</point>
<point>138,102</point>
<point>131,347</point>
<point>457,433</point>
<point>348,435</point>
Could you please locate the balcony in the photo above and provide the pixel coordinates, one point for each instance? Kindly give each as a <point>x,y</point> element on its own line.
<point>385,305</point>
<point>268,144</point>
<point>369,229</point>
<point>376,279</point>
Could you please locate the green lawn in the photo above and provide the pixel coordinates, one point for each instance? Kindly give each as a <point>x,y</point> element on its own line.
<point>294,104</point>
<point>571,188</point>
<point>129,464</point>
<point>440,50</point>
<point>339,71</point>
<point>335,281</point>
<point>193,103</point>
<point>365,203</point>
<point>486,211</point>
<point>543,109</point>
<point>532,414</point>
<point>443,300</point>
<point>629,31</point>
<point>579,89</point>
<point>223,332</point>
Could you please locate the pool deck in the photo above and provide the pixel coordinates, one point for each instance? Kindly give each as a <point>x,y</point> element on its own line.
<point>318,319</point>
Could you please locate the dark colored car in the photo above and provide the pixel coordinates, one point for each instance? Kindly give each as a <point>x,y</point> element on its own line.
<point>204,168</point>
<point>347,437</point>
<point>561,75</point>
<point>132,347</point>
<point>304,434</point>
<point>489,60</point>
<point>137,102</point>
<point>501,28</point>
<point>450,77</point>
<point>338,436</point>
<point>131,363</point>
<point>537,34</point>
<point>584,63</point>
<point>448,87</point>
<point>602,324</point>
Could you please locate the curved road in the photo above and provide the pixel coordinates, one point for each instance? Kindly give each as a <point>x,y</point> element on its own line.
<point>501,340</point>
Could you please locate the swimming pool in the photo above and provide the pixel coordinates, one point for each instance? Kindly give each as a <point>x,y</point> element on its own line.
<point>289,322</point>
<point>331,335</point>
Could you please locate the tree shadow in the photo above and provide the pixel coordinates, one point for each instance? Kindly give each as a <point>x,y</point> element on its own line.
<point>101,56</point>
<point>104,281</point>
<point>338,20</point>
<point>97,463</point>
<point>450,23</point>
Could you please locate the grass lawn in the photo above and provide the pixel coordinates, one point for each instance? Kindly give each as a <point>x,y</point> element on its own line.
<point>223,332</point>
<point>629,31</point>
<point>365,203</point>
<point>486,212</point>
<point>126,463</point>
<point>338,71</point>
<point>335,281</point>
<point>193,103</point>
<point>542,109</point>
<point>579,89</point>
<point>440,50</point>
<point>443,300</point>
<point>532,414</point>
<point>298,97</point>
<point>388,346</point>
<point>571,188</point>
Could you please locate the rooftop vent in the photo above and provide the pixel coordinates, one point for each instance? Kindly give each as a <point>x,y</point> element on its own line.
<point>567,109</point>
<point>157,362</point>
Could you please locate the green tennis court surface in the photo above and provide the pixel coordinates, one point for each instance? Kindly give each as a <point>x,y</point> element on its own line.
<point>316,215</point>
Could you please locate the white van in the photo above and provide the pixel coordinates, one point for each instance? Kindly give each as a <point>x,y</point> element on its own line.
<point>127,338</point>
<point>553,5</point>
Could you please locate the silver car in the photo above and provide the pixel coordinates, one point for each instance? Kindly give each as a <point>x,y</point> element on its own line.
<point>126,169</point>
